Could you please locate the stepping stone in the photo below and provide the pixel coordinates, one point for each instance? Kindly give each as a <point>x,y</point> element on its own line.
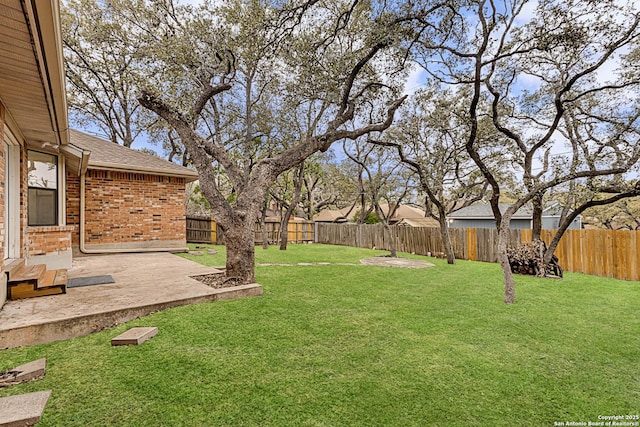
<point>135,336</point>
<point>196,253</point>
<point>28,372</point>
<point>23,409</point>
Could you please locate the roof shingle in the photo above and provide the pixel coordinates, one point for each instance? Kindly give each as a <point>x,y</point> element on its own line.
<point>107,155</point>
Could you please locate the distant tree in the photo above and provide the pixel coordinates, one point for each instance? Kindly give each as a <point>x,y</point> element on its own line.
<point>429,138</point>
<point>372,218</point>
<point>196,202</point>
<point>100,66</point>
<point>321,185</point>
<point>622,215</point>
<point>382,179</point>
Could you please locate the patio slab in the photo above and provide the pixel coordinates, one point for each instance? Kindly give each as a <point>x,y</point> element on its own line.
<point>144,283</point>
<point>23,409</point>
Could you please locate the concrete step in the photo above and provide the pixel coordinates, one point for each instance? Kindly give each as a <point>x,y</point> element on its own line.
<point>135,336</point>
<point>23,409</point>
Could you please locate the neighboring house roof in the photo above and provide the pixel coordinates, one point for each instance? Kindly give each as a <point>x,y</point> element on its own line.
<point>32,79</point>
<point>418,222</point>
<point>330,216</point>
<point>484,211</point>
<point>403,211</point>
<point>340,215</point>
<point>107,155</point>
<point>278,218</point>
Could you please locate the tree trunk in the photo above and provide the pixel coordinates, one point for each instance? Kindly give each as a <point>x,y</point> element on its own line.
<point>393,251</point>
<point>239,241</point>
<point>503,259</point>
<point>446,239</point>
<point>297,189</point>
<point>263,226</point>
<point>536,223</point>
<point>284,229</point>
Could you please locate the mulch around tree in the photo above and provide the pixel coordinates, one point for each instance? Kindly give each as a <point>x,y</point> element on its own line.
<point>218,280</point>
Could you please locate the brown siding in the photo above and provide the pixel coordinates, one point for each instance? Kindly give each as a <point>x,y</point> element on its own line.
<point>125,207</point>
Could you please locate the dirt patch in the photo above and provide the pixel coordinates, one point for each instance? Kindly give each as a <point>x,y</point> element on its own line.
<point>387,261</point>
<point>218,280</point>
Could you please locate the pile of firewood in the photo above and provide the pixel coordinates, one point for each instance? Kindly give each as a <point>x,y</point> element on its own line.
<point>527,258</point>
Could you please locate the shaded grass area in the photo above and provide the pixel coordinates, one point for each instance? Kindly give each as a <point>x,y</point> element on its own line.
<point>360,346</point>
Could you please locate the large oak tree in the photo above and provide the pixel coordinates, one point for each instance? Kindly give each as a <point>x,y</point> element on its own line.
<point>254,89</point>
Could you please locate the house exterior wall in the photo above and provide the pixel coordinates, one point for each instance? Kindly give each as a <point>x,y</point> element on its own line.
<point>50,245</point>
<point>548,223</point>
<point>551,223</point>
<point>72,189</point>
<point>516,224</point>
<point>128,210</point>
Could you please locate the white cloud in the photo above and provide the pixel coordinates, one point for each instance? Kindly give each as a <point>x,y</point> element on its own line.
<point>527,13</point>
<point>416,79</point>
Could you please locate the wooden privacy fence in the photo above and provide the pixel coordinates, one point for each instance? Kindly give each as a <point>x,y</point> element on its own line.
<point>205,230</point>
<point>607,253</point>
<point>201,230</point>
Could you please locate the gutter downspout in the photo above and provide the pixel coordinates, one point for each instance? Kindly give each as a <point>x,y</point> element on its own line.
<point>83,249</point>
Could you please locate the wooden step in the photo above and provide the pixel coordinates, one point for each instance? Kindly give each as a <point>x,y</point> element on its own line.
<point>28,272</point>
<point>50,282</point>
<point>47,279</point>
<point>61,278</point>
<point>12,267</point>
<point>29,290</point>
<point>52,278</point>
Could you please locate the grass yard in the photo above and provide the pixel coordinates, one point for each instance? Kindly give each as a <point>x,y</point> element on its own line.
<point>344,345</point>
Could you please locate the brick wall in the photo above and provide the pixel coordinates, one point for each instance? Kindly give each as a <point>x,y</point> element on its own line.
<point>49,240</point>
<point>125,207</point>
<point>73,205</point>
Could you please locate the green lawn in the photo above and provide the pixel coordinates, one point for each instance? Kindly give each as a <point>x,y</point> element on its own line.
<point>360,346</point>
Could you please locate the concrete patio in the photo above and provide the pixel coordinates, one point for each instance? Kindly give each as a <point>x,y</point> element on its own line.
<point>144,283</point>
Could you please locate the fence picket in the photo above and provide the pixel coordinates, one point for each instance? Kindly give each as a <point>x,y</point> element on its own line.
<point>606,253</point>
<point>205,230</point>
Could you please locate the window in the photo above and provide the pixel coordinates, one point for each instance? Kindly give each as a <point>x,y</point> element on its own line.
<point>43,188</point>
